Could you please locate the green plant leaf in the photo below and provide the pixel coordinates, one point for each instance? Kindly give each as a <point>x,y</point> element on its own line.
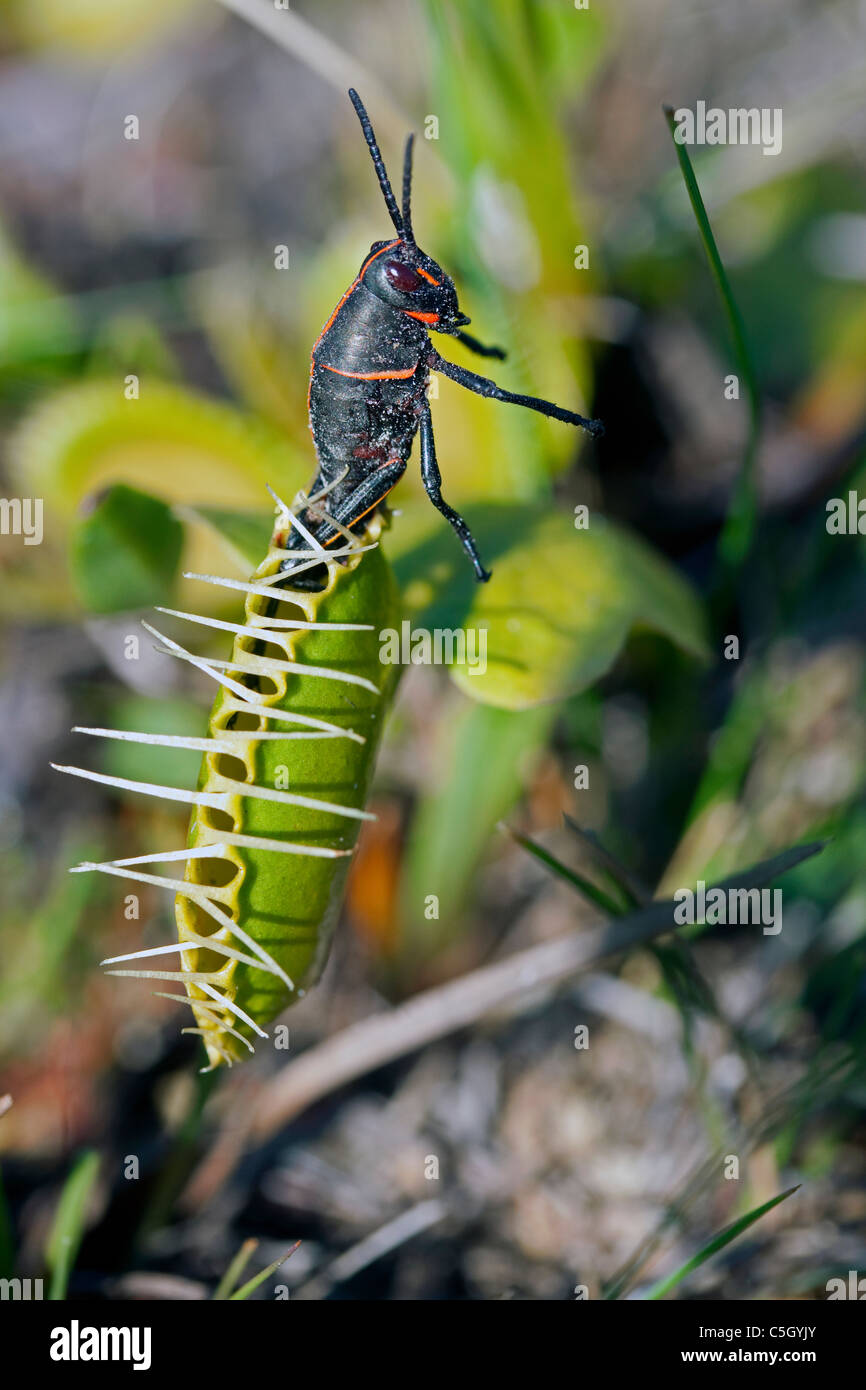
<point>88,436</point>
<point>756,876</point>
<point>126,552</point>
<point>559,607</point>
<point>487,766</point>
<point>651,920</point>
<point>759,875</point>
<point>70,1220</point>
<point>718,1242</point>
<point>36,323</point>
<point>247,533</point>
<point>507,75</point>
<point>173,767</point>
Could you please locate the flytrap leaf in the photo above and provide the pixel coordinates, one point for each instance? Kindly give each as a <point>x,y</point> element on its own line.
<point>286,766</point>
<point>561,606</point>
<point>89,435</point>
<point>125,552</point>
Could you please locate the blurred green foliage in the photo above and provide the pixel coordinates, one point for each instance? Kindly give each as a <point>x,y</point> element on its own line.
<point>600,647</point>
<point>124,553</point>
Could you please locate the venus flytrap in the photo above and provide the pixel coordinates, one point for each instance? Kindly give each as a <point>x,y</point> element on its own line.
<point>293,732</point>
<point>303,695</point>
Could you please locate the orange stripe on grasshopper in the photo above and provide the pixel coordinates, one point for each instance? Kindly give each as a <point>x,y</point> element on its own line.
<point>402,375</point>
<point>354,285</point>
<point>389,246</point>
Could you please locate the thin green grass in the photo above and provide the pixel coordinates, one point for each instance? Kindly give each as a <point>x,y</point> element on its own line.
<point>738,531</point>
<point>70,1220</point>
<point>234,1271</point>
<point>583,885</point>
<point>718,1242</point>
<point>252,1284</point>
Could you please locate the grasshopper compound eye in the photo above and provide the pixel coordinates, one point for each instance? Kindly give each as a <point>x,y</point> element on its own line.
<point>403,277</point>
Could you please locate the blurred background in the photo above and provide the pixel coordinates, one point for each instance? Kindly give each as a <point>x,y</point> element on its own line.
<point>146,249</point>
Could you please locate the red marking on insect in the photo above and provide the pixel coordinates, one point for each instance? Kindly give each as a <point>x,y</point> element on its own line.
<point>351,290</point>
<point>335,312</point>
<point>369,451</point>
<point>402,375</point>
<point>402,277</point>
<point>422,318</point>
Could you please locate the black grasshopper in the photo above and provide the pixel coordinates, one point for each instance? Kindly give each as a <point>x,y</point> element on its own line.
<point>369,374</point>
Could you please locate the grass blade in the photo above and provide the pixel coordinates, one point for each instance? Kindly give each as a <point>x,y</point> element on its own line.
<point>636,894</point>
<point>718,1242</point>
<point>234,1271</point>
<point>252,1284</point>
<point>583,885</point>
<point>738,530</point>
<point>70,1219</point>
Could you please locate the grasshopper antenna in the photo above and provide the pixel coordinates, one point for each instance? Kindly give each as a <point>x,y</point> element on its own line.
<point>408,234</point>
<point>378,163</point>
